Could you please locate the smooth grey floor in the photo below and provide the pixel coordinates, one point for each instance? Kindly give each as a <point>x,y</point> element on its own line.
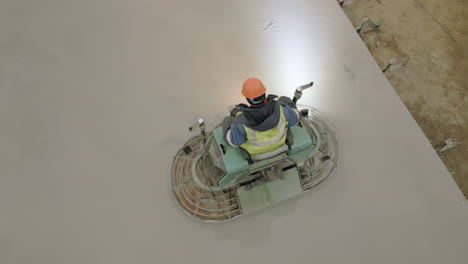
<point>96,97</point>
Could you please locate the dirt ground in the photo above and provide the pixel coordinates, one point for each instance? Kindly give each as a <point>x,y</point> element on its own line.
<point>431,36</point>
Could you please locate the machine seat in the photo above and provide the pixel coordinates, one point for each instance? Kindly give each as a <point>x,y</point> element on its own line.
<point>270,154</point>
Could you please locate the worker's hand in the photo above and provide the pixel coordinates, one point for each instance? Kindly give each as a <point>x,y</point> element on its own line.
<point>226,123</point>
<point>234,111</point>
<point>287,101</point>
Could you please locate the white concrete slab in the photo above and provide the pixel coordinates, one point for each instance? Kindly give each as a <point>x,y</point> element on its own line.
<point>96,96</point>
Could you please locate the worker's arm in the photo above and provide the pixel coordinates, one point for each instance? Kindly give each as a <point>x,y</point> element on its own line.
<point>292,115</point>
<point>290,110</point>
<point>236,135</point>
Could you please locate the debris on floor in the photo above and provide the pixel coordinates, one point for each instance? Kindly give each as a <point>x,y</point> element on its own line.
<point>268,27</point>
<point>367,25</point>
<point>394,64</point>
<point>448,144</point>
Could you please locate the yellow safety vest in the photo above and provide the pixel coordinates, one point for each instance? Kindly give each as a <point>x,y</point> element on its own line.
<point>264,141</point>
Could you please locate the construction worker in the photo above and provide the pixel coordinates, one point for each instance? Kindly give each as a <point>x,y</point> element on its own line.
<point>262,125</point>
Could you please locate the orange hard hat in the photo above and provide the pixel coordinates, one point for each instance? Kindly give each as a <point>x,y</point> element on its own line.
<point>253,88</point>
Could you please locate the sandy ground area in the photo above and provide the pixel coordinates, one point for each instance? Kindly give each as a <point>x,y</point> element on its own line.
<point>431,36</point>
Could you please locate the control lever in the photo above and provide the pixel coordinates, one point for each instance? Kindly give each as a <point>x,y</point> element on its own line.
<point>201,124</point>
<point>298,92</point>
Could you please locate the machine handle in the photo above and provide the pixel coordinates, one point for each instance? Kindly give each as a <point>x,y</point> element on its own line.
<point>201,124</point>
<point>298,92</point>
<point>305,86</point>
